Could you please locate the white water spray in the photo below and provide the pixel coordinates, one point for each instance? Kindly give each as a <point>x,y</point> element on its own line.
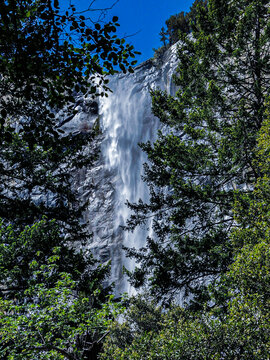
<point>126,121</point>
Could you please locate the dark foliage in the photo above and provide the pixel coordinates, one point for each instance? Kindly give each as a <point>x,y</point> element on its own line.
<point>37,243</point>
<point>47,58</point>
<point>207,150</point>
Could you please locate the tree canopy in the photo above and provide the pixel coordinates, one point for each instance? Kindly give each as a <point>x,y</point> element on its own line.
<point>56,321</point>
<point>207,150</point>
<point>49,58</point>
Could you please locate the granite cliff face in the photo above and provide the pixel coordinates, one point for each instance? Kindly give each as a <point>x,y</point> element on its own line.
<point>125,119</point>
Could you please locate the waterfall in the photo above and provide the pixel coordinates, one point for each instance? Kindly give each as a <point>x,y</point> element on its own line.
<point>125,119</point>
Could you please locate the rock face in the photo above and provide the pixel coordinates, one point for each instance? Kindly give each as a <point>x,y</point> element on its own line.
<point>125,120</point>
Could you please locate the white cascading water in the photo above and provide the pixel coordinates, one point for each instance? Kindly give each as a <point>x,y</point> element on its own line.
<point>126,120</point>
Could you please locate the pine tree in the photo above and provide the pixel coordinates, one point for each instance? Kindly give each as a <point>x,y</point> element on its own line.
<point>176,23</point>
<point>163,36</point>
<point>207,150</point>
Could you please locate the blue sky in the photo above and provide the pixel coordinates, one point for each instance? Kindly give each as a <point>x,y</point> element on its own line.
<point>143,18</point>
<point>146,17</point>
